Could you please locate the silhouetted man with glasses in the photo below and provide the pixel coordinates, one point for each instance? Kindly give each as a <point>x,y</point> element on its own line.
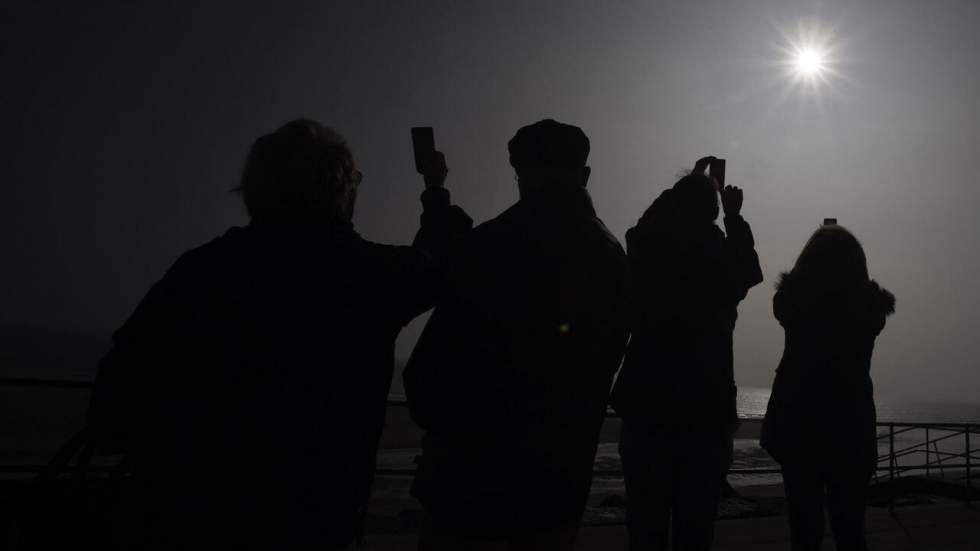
<point>249,386</point>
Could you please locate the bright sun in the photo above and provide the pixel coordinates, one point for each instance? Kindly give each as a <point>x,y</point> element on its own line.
<point>809,61</point>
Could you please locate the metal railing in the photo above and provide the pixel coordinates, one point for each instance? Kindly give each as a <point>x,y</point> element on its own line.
<point>935,459</point>
<point>891,463</point>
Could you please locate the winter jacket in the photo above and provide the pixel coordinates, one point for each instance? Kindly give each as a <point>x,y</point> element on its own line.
<point>678,377</point>
<point>249,386</point>
<point>822,403</point>
<point>511,375</point>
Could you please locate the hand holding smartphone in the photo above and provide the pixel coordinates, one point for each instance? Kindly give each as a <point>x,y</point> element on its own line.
<point>428,162</point>
<point>716,170</point>
<point>731,196</point>
<point>424,144</point>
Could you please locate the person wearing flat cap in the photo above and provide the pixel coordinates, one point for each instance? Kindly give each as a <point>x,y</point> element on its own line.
<point>511,375</point>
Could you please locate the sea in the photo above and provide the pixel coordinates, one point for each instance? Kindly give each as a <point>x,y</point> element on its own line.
<point>752,403</point>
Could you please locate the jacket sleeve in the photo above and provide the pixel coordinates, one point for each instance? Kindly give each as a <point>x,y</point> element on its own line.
<point>744,271</point>
<point>427,376</point>
<point>637,283</point>
<point>424,377</point>
<point>442,227</point>
<point>128,382</point>
<point>649,267</point>
<point>445,339</point>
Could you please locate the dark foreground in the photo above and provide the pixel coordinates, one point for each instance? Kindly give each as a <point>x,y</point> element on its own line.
<point>946,526</point>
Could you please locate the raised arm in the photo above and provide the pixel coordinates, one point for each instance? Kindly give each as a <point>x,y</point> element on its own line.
<point>442,228</point>
<point>744,271</point>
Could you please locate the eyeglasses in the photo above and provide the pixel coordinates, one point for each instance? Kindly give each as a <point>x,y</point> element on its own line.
<point>356,177</point>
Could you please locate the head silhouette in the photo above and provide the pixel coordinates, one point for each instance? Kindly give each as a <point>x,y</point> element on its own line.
<point>549,155</point>
<point>832,256</point>
<point>696,199</point>
<point>302,172</point>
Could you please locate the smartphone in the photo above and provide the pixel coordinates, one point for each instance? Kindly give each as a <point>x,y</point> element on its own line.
<point>716,170</point>
<point>829,221</point>
<point>424,144</point>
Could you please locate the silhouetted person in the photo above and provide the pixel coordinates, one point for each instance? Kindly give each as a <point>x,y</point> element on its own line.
<point>249,385</point>
<point>511,376</point>
<point>820,423</point>
<point>676,392</point>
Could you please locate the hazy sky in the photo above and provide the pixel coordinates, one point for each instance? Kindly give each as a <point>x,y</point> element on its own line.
<point>124,126</point>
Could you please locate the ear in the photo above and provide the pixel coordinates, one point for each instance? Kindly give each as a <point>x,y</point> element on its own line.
<point>586,172</point>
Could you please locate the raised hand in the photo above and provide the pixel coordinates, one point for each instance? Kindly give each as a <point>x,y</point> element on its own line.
<point>702,164</point>
<point>435,170</point>
<point>731,200</point>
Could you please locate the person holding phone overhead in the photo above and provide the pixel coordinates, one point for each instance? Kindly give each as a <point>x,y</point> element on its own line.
<point>820,422</point>
<point>511,375</point>
<point>249,387</point>
<point>676,391</point>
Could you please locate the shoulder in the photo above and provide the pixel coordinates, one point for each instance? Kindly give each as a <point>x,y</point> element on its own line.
<point>393,258</point>
<point>204,257</point>
<point>786,297</point>
<point>860,308</point>
<point>507,222</point>
<point>604,238</point>
<point>784,284</point>
<point>501,232</point>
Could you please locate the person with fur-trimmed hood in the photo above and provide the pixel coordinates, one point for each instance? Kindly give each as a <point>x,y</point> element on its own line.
<point>820,422</point>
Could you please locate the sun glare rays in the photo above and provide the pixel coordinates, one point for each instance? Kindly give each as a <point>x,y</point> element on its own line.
<point>810,59</point>
<point>804,66</point>
<point>804,71</point>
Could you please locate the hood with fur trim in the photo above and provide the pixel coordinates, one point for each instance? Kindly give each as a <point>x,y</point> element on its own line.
<point>797,298</point>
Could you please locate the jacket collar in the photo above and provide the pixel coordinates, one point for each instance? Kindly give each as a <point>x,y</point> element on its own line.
<point>313,229</point>
<point>563,200</point>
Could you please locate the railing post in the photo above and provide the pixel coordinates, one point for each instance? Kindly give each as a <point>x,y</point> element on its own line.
<point>969,477</point>
<point>928,458</point>
<point>891,469</point>
<point>939,460</point>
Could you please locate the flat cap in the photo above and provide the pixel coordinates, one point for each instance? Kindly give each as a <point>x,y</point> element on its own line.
<point>549,144</point>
